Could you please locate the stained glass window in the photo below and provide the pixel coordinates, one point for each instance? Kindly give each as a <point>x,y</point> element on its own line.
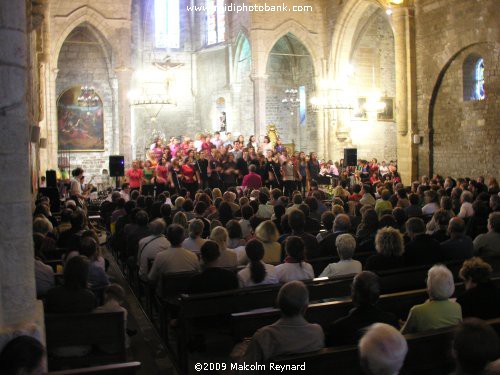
<point>479,78</point>
<point>216,21</point>
<point>167,24</point>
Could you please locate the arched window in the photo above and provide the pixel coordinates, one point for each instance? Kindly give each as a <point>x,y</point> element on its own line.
<point>473,78</point>
<point>167,23</point>
<point>216,21</point>
<point>479,89</point>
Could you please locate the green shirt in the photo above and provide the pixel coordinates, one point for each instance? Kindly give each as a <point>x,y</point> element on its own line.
<point>432,315</point>
<point>382,206</point>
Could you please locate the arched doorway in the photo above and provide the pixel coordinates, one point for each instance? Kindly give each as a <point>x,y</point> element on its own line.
<point>290,67</point>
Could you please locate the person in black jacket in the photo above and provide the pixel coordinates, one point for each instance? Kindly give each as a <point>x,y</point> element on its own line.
<point>422,248</point>
<point>212,279</point>
<point>349,329</point>
<point>459,246</point>
<point>481,298</point>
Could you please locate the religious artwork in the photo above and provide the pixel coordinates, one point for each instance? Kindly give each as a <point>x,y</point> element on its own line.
<point>80,125</point>
<point>220,104</point>
<point>272,133</point>
<point>388,113</point>
<point>360,111</point>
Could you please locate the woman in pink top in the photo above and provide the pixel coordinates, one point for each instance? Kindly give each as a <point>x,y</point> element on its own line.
<point>135,176</point>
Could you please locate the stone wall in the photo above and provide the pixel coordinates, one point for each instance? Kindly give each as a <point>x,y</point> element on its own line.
<point>466,134</point>
<point>82,62</point>
<point>373,63</point>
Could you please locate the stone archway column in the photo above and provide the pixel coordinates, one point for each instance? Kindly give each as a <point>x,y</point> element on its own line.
<point>259,102</point>
<point>19,310</point>
<point>403,23</point>
<point>125,130</point>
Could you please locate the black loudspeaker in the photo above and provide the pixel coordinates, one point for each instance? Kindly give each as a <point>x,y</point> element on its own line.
<point>53,194</point>
<point>116,165</point>
<point>51,178</point>
<point>350,157</point>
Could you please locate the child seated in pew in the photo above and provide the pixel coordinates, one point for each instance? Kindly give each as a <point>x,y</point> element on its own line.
<point>114,296</point>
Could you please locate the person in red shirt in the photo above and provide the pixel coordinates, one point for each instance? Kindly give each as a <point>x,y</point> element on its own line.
<point>135,176</point>
<point>252,180</point>
<point>162,176</point>
<point>190,175</point>
<point>374,179</point>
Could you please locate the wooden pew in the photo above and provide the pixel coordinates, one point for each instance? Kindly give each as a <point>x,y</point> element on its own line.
<point>127,368</point>
<point>196,306</point>
<point>428,353</point>
<point>319,264</point>
<point>92,329</point>
<point>245,324</point>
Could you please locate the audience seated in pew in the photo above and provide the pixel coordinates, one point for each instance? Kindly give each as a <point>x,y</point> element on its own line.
<point>422,248</point>
<point>365,294</point>
<point>481,298</point>
<point>294,268</point>
<point>459,246</point>
<point>290,334</point>
<point>390,248</point>
<point>213,278</point>
<point>194,241</point>
<point>228,258</point>
<point>475,346</point>
<point>23,355</point>
<point>488,244</point>
<point>438,311</point>
<point>345,245</point>
<point>296,222</point>
<point>151,246</point>
<point>382,350</point>
<point>341,225</point>
<point>257,272</point>
<point>268,234</point>
<point>327,219</point>
<point>175,259</point>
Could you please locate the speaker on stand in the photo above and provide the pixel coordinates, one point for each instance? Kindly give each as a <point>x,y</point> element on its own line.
<point>116,167</point>
<point>350,157</point>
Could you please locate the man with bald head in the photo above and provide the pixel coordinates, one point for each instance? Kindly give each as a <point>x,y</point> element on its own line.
<point>459,246</point>
<point>291,333</point>
<point>341,225</point>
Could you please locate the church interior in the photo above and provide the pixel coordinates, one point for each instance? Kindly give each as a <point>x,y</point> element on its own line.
<point>308,166</point>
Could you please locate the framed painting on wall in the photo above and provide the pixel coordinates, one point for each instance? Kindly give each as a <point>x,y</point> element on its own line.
<point>80,123</point>
<point>388,112</point>
<point>360,111</point>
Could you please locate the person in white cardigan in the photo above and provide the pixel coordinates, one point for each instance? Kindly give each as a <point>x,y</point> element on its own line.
<point>294,268</point>
<point>256,272</point>
<point>346,244</point>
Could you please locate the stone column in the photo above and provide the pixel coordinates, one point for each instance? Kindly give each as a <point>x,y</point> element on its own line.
<point>19,310</point>
<point>259,104</point>
<point>402,20</point>
<point>125,131</point>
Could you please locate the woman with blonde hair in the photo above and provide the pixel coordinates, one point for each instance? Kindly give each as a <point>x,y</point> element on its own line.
<point>228,258</point>
<point>268,234</point>
<point>390,247</point>
<point>181,219</point>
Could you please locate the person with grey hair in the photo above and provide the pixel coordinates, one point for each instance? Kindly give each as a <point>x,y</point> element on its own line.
<point>341,225</point>
<point>438,311</point>
<point>422,248</point>
<point>345,244</point>
<point>365,291</point>
<point>488,244</point>
<point>291,334</point>
<point>194,242</point>
<point>459,246</point>
<point>150,246</point>
<point>466,209</point>
<point>382,350</point>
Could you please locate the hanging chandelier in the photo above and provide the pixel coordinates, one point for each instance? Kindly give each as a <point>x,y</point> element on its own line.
<point>88,97</point>
<point>331,96</point>
<point>291,100</point>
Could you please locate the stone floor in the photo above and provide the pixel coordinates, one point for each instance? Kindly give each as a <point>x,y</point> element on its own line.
<point>146,346</point>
